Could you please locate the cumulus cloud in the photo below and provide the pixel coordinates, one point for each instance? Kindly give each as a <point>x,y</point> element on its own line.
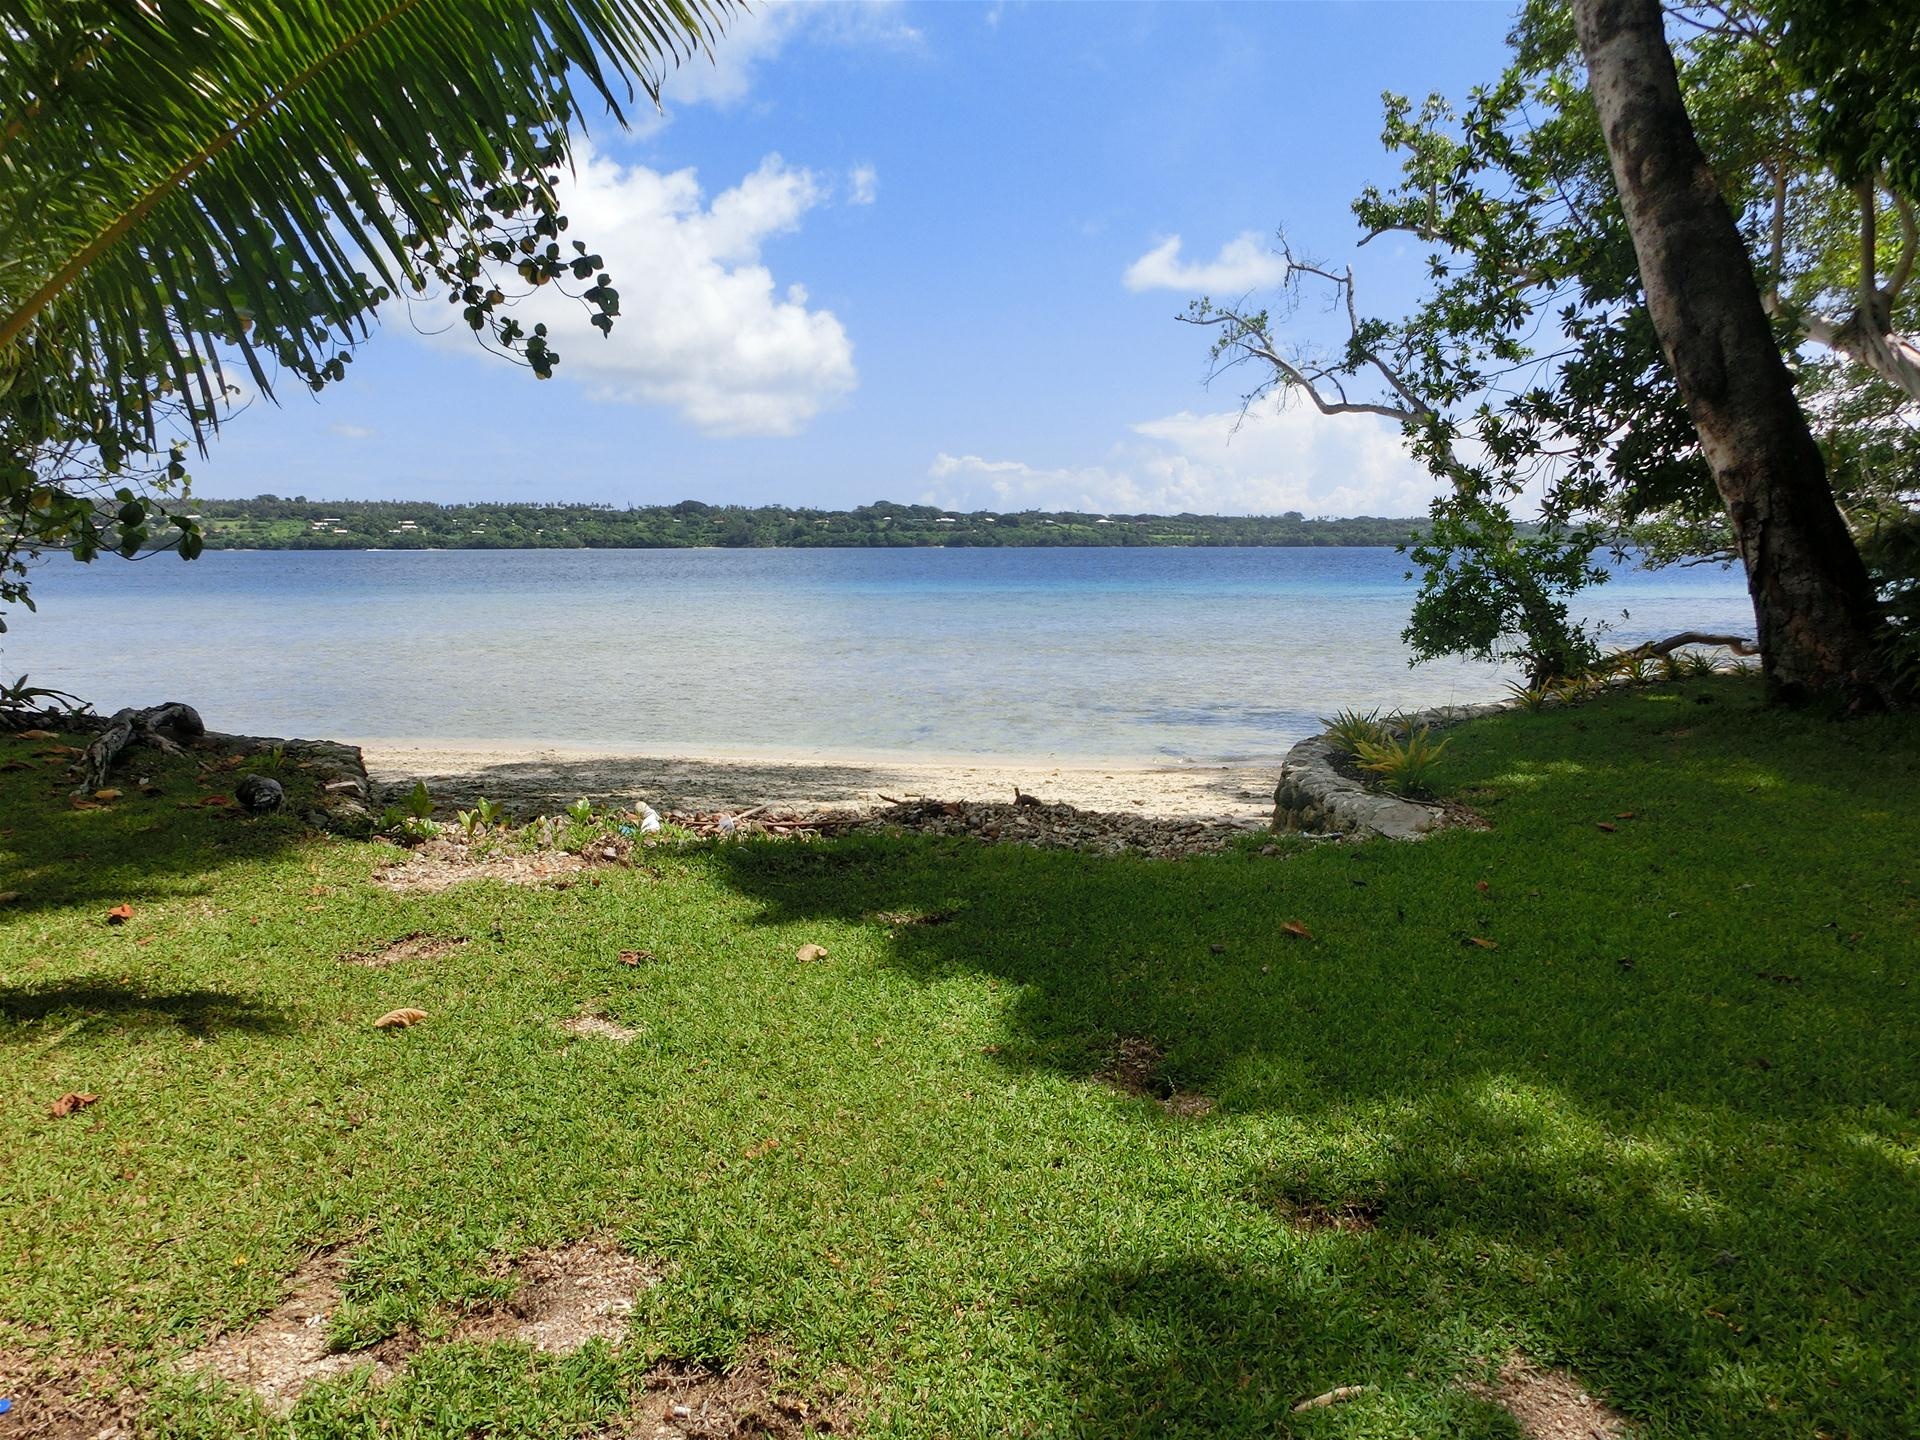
<point>755,38</point>
<point>863,185</point>
<point>351,432</point>
<point>1244,263</point>
<point>703,328</point>
<point>1281,458</point>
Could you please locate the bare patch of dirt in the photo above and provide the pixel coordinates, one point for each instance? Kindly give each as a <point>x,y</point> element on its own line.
<point>685,1401</point>
<point>417,946</point>
<point>1189,1104</point>
<point>58,1398</point>
<point>599,1026</point>
<point>1352,1216</point>
<point>1551,1404</point>
<point>1136,1070</point>
<point>286,1350</point>
<point>441,864</point>
<point>901,918</point>
<point>566,1297</point>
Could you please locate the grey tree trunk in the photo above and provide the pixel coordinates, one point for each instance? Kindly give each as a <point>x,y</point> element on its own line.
<point>1812,600</point>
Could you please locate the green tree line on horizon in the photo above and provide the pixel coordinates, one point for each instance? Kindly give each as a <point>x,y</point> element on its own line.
<point>271,522</point>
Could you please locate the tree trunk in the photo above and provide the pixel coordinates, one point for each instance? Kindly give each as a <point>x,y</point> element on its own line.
<point>1812,600</point>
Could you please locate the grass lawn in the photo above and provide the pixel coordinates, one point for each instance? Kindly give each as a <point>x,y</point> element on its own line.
<point>1665,1133</point>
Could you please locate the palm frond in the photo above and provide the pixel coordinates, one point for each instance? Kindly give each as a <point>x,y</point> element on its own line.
<point>185,178</point>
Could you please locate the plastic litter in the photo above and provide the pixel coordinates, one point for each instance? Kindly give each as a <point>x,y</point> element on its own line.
<point>649,820</point>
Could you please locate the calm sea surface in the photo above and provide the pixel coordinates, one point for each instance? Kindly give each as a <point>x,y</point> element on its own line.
<point>1074,654</point>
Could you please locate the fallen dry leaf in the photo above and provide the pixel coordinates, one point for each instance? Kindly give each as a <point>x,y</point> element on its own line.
<point>1482,886</point>
<point>399,1019</point>
<point>1624,815</point>
<point>764,1148</point>
<point>635,957</point>
<point>79,802</point>
<point>215,801</point>
<point>119,914</point>
<point>7,897</point>
<point>36,735</point>
<point>811,952</point>
<point>1297,930</point>
<point>68,1103</point>
<point>1482,942</point>
<point>107,794</point>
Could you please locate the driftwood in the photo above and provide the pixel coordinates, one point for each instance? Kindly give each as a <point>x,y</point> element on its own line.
<point>163,726</point>
<point>1738,644</point>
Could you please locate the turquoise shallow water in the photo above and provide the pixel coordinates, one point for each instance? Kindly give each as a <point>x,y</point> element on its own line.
<point>1069,654</point>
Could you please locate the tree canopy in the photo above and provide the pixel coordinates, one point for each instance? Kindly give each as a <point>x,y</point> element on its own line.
<point>1530,369</point>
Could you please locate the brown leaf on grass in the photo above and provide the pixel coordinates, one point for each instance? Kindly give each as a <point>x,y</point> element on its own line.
<point>119,914</point>
<point>1482,942</point>
<point>1608,827</point>
<point>1624,815</point>
<point>635,957</point>
<point>764,1148</point>
<point>7,897</point>
<point>399,1019</point>
<point>36,735</point>
<point>80,802</point>
<point>108,794</point>
<point>811,952</point>
<point>68,1103</point>
<point>1296,929</point>
<point>14,765</point>
<point>215,801</point>
<point>1482,886</point>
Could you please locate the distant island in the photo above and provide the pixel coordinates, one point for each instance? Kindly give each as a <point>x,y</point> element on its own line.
<point>269,522</point>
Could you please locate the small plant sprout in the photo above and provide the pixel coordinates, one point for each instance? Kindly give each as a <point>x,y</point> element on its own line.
<point>419,801</point>
<point>1633,666</point>
<point>1573,689</point>
<point>1347,730</point>
<point>1701,663</point>
<point>581,811</point>
<point>469,822</point>
<point>489,811</point>
<point>1530,698</point>
<point>1403,765</point>
<point>20,695</point>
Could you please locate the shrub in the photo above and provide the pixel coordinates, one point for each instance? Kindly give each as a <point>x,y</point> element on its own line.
<point>1402,764</point>
<point>1348,730</point>
<point>1530,698</point>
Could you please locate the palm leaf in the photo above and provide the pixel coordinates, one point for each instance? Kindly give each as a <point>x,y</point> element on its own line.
<point>180,178</point>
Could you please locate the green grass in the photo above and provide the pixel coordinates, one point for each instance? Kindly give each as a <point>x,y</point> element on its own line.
<point>1666,1134</point>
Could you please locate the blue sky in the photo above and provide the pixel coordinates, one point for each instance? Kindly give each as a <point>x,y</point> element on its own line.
<point>923,251</point>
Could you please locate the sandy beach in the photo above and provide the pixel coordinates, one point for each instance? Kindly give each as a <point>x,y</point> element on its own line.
<point>533,778</point>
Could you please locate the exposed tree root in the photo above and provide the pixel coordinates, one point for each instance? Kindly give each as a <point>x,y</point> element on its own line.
<point>163,726</point>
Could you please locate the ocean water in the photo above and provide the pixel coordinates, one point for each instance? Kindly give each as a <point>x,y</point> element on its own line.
<point>1096,655</point>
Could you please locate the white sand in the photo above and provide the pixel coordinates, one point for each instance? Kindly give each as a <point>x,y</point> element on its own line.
<point>532,777</point>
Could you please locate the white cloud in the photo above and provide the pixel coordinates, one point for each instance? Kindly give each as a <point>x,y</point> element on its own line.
<point>1244,263</point>
<point>755,38</point>
<point>701,328</point>
<point>351,432</point>
<point>1280,458</point>
<point>863,185</point>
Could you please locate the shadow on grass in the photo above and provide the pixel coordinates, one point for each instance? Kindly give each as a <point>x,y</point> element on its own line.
<point>133,1007</point>
<point>1659,1126</point>
<point>172,824</point>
